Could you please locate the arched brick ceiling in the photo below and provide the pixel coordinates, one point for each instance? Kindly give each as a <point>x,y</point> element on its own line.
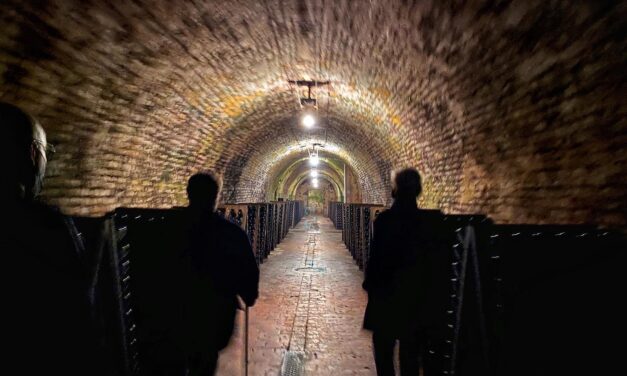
<point>281,139</point>
<point>286,175</point>
<point>324,186</point>
<point>303,174</point>
<point>514,109</point>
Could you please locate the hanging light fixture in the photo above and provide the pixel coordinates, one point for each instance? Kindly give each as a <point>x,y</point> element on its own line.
<point>308,120</point>
<point>315,182</point>
<point>314,173</point>
<point>314,160</point>
<point>308,104</point>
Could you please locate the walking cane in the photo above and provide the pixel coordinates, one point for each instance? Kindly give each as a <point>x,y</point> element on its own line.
<point>244,307</point>
<point>246,342</point>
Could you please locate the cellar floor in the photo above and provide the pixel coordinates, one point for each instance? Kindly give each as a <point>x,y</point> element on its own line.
<point>309,313</point>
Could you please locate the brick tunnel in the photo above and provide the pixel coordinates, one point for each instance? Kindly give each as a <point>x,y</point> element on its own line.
<point>514,110</point>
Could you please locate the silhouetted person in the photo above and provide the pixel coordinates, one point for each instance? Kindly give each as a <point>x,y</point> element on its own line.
<point>48,330</point>
<point>221,267</point>
<point>395,278</point>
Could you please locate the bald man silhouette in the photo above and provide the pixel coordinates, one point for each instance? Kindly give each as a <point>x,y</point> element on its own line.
<point>396,277</point>
<point>222,267</point>
<point>48,330</point>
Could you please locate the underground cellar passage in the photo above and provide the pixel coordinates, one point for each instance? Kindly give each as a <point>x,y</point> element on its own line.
<point>305,111</point>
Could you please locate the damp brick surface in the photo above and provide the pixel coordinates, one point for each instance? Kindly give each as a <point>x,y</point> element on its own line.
<point>515,109</point>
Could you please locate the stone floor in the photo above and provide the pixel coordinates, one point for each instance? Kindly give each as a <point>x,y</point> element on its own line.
<point>310,308</point>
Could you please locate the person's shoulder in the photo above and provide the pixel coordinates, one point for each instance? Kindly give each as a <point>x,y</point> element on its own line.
<point>430,221</point>
<point>228,228</point>
<point>430,214</point>
<point>48,214</point>
<point>384,217</point>
<point>429,217</point>
<point>38,219</point>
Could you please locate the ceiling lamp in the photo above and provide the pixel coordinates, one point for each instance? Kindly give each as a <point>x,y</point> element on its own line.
<point>315,183</point>
<point>308,121</point>
<point>314,173</point>
<point>314,160</point>
<point>308,103</point>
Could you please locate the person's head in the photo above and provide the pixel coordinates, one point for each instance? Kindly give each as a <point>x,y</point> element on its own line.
<point>407,184</point>
<point>202,190</point>
<point>23,157</point>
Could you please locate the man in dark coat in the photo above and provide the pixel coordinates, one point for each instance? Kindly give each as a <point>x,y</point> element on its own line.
<point>46,304</point>
<point>396,277</point>
<point>221,267</point>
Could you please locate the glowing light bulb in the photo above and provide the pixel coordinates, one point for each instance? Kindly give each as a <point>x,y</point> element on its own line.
<point>314,160</point>
<point>315,183</point>
<point>314,174</point>
<point>309,121</point>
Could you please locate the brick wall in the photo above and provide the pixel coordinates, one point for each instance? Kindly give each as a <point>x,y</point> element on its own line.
<point>511,108</point>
